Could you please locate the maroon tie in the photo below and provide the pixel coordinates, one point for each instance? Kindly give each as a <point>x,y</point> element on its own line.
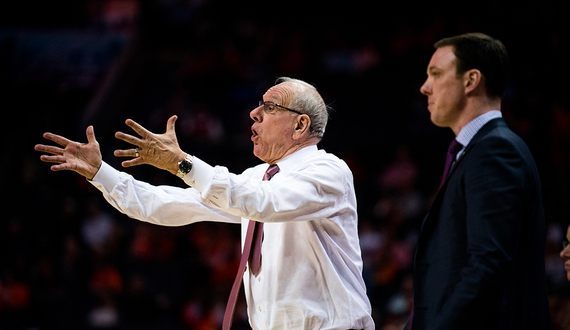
<point>251,252</point>
<point>452,151</point>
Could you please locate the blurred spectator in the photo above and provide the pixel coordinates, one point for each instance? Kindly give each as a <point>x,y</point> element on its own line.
<point>99,229</point>
<point>201,125</point>
<point>150,243</point>
<point>14,294</point>
<point>559,298</point>
<point>104,315</point>
<point>138,307</point>
<point>398,184</point>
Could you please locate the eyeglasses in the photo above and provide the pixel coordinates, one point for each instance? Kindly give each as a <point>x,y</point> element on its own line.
<point>269,106</point>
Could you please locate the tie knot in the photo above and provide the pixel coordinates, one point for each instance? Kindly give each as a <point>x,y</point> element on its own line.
<point>270,172</point>
<point>454,147</point>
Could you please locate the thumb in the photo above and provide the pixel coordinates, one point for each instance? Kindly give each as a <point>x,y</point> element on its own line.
<point>90,132</point>
<point>170,125</point>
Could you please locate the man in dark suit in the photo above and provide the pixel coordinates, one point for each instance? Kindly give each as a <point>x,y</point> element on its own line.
<point>479,262</point>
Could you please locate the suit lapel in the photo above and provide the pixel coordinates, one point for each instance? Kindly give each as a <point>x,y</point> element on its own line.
<point>488,127</point>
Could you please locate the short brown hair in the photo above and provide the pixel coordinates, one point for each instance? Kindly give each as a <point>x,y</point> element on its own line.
<point>480,51</point>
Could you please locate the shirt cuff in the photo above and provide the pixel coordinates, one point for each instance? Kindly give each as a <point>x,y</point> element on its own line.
<point>200,174</point>
<point>106,178</point>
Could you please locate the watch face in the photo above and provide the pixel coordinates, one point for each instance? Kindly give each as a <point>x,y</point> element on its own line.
<point>185,166</point>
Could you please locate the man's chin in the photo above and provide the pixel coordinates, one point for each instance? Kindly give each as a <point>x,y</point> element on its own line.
<point>256,151</point>
<point>437,122</point>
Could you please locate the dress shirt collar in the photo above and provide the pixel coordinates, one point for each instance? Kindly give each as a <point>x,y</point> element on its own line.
<point>468,132</point>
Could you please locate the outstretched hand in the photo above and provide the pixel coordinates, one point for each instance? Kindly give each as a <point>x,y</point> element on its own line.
<point>82,158</point>
<point>159,150</point>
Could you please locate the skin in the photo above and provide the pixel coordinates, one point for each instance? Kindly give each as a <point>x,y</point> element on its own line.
<point>275,135</point>
<point>280,133</point>
<point>83,158</point>
<point>454,100</point>
<point>565,253</point>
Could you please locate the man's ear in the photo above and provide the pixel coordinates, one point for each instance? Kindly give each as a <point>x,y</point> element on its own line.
<point>302,125</point>
<point>472,80</point>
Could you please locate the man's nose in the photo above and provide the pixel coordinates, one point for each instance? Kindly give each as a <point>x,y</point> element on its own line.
<point>565,253</point>
<point>256,114</point>
<point>424,89</point>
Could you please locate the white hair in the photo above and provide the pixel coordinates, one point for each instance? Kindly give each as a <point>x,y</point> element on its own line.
<point>307,100</point>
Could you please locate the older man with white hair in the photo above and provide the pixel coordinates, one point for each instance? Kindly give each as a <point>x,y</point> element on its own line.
<point>301,265</point>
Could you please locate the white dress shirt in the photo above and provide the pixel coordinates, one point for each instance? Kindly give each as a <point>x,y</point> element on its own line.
<point>311,271</point>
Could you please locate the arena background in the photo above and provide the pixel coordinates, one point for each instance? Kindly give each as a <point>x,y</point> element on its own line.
<point>69,261</point>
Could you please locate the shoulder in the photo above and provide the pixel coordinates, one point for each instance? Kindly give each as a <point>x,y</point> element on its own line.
<point>499,154</point>
<point>504,140</point>
<point>319,167</point>
<point>496,136</point>
<point>323,159</point>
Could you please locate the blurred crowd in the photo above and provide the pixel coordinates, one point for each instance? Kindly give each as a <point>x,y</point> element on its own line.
<point>70,261</point>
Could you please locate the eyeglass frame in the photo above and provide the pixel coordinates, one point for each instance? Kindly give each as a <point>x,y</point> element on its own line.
<point>264,104</point>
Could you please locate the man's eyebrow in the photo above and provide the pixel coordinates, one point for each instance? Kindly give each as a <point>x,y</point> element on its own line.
<point>432,68</point>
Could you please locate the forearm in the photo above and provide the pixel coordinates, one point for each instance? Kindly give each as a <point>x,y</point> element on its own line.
<point>162,205</point>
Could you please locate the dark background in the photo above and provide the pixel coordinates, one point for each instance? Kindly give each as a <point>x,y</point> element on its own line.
<point>70,261</point>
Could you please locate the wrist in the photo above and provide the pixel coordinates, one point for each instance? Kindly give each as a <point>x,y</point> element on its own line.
<point>92,171</point>
<point>173,163</point>
<point>184,166</point>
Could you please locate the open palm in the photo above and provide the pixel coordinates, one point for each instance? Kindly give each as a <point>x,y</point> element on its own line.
<point>83,158</point>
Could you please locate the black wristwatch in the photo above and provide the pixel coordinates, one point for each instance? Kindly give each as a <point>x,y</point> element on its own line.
<point>184,167</point>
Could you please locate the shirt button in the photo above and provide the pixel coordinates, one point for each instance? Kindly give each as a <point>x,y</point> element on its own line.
<point>259,308</point>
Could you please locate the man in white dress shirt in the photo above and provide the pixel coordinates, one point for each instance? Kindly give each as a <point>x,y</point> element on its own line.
<point>311,269</point>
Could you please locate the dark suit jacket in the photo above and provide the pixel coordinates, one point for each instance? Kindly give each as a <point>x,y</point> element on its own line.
<point>479,262</point>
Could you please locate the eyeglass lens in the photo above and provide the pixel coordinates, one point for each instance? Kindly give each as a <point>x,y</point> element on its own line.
<point>267,106</point>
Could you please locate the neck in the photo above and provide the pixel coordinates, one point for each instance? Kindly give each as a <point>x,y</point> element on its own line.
<point>292,150</point>
<point>474,108</point>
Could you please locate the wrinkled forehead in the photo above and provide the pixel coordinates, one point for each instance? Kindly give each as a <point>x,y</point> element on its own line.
<point>281,93</point>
